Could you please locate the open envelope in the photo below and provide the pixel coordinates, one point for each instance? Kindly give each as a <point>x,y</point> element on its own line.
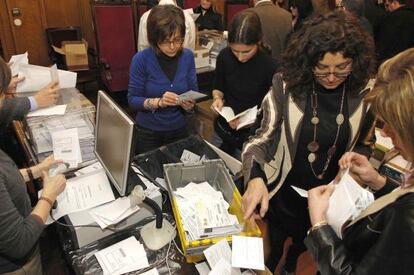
<point>37,77</point>
<point>347,202</point>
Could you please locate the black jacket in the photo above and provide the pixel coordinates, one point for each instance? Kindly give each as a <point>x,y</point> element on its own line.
<point>382,243</point>
<point>210,20</point>
<point>396,33</point>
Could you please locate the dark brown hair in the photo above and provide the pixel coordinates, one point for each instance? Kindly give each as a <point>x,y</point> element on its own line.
<point>163,22</point>
<point>5,76</point>
<point>333,32</point>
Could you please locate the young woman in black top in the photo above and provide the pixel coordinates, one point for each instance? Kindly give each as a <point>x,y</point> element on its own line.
<point>244,72</point>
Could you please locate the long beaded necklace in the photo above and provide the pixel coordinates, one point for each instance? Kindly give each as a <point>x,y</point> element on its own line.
<point>313,146</point>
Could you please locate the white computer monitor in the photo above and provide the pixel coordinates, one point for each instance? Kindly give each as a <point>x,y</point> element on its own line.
<point>114,141</point>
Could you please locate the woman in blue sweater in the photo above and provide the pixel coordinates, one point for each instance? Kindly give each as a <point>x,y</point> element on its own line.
<point>158,75</point>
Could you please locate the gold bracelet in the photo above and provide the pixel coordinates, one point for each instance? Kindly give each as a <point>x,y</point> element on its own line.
<point>49,201</point>
<point>317,225</point>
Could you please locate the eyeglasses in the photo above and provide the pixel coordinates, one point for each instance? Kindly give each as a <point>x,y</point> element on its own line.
<point>340,74</point>
<point>176,42</point>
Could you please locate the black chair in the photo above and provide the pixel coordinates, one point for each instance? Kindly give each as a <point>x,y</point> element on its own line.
<point>55,37</point>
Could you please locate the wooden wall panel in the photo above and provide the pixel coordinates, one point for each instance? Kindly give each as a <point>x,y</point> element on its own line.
<point>30,35</point>
<point>62,13</point>
<point>6,35</point>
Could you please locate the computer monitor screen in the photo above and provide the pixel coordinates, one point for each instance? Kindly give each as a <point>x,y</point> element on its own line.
<point>114,141</point>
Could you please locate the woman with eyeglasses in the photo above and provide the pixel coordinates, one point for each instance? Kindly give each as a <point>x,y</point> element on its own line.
<point>381,239</point>
<point>313,114</point>
<point>244,72</point>
<point>158,75</point>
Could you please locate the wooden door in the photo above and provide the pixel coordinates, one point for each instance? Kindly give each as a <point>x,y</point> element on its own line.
<point>26,22</point>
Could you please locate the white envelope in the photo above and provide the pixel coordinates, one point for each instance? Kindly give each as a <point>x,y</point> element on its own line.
<point>37,77</point>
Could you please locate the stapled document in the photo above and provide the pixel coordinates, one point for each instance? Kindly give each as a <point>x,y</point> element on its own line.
<point>247,252</point>
<point>123,257</point>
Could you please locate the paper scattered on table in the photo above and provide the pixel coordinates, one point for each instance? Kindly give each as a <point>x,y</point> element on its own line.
<point>204,212</point>
<point>248,272</point>
<point>247,252</point>
<point>202,268</point>
<point>49,111</point>
<point>302,192</point>
<point>16,60</point>
<point>82,193</point>
<point>37,77</point>
<point>113,212</point>
<point>219,256</point>
<point>347,201</point>
<point>152,190</point>
<point>66,146</point>
<point>126,256</point>
<point>189,158</point>
<point>191,95</point>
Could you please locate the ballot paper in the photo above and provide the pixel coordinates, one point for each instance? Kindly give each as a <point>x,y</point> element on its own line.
<point>189,158</point>
<point>247,252</point>
<point>66,146</point>
<point>246,117</point>
<point>49,111</point>
<point>204,212</point>
<point>16,60</point>
<point>153,271</point>
<point>37,77</point>
<point>113,212</point>
<point>218,257</point>
<point>191,95</point>
<point>347,201</point>
<point>123,257</point>
<point>82,193</point>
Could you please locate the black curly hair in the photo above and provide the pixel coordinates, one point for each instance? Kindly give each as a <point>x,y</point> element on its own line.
<point>332,32</point>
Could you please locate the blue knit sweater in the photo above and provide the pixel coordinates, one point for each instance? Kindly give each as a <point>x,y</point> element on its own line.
<point>148,80</point>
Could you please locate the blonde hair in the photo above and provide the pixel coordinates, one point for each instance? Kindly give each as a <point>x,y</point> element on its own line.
<point>392,97</point>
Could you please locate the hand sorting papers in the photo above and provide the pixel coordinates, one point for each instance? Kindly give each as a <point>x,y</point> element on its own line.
<point>83,193</point>
<point>16,60</point>
<point>66,146</point>
<point>246,117</point>
<point>348,200</point>
<point>123,257</point>
<point>190,95</point>
<point>37,77</point>
<point>203,212</point>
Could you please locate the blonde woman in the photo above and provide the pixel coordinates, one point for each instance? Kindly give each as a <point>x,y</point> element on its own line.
<point>381,239</point>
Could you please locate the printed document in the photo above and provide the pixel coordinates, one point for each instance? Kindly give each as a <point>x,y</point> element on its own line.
<point>191,95</point>
<point>219,258</point>
<point>123,257</point>
<point>82,193</point>
<point>66,146</point>
<point>48,111</point>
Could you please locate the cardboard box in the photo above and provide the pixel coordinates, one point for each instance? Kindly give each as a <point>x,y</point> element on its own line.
<point>76,54</point>
<point>201,57</point>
